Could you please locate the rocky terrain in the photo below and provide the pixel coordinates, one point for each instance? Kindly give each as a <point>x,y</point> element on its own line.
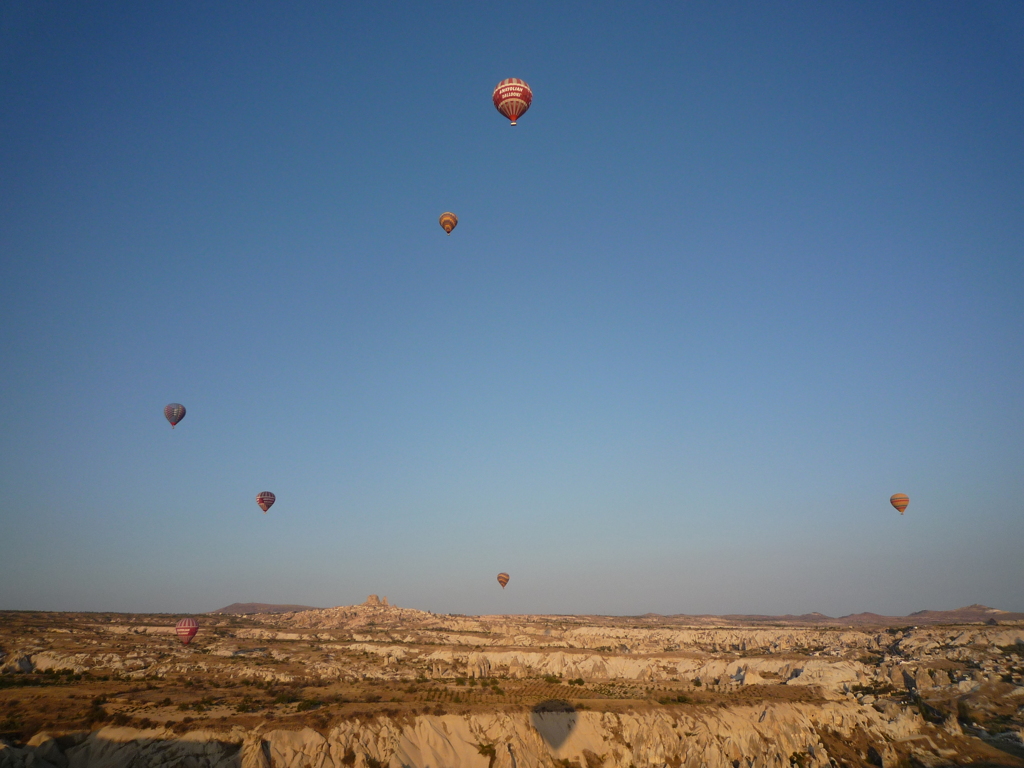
<point>378,685</point>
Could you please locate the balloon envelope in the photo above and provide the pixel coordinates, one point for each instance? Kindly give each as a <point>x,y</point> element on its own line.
<point>900,501</point>
<point>265,500</point>
<point>512,97</point>
<point>186,629</point>
<point>503,579</point>
<point>174,412</point>
<point>448,221</point>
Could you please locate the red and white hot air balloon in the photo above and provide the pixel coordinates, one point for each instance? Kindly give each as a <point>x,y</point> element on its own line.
<point>265,500</point>
<point>186,629</point>
<point>512,97</point>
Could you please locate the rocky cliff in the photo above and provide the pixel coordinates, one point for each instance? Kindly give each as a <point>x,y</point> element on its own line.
<point>762,736</point>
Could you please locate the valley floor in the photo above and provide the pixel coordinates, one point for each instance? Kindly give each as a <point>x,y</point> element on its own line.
<point>374,685</point>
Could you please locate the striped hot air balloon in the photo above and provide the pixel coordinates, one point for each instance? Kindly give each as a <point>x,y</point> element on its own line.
<point>174,412</point>
<point>900,501</point>
<point>186,629</point>
<point>265,500</point>
<point>448,221</point>
<point>503,579</point>
<point>512,97</point>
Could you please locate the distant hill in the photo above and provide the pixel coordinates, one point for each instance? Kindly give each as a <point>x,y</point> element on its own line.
<point>971,614</point>
<point>968,613</point>
<point>243,608</point>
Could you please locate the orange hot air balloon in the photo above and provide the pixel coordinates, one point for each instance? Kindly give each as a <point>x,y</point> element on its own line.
<point>900,501</point>
<point>448,221</point>
<point>503,579</point>
<point>512,97</point>
<point>265,500</point>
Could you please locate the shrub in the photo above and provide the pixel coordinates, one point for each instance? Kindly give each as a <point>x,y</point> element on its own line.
<point>247,704</point>
<point>675,700</point>
<point>307,704</point>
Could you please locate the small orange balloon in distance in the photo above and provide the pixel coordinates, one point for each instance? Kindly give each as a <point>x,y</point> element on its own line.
<point>503,579</point>
<point>448,221</point>
<point>900,501</point>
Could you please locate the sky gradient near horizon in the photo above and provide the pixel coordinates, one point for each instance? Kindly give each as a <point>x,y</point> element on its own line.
<point>741,273</point>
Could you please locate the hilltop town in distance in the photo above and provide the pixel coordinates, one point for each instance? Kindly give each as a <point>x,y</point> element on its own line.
<point>375,684</point>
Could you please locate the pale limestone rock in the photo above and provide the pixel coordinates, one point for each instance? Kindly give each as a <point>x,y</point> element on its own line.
<point>288,748</point>
<point>478,665</point>
<point>114,747</point>
<point>922,680</point>
<point>52,661</point>
<point>45,748</point>
<point>440,741</point>
<point>18,663</point>
<point>255,751</point>
<point>952,725</point>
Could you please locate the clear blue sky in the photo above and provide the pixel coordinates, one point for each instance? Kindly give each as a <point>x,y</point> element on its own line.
<point>743,271</point>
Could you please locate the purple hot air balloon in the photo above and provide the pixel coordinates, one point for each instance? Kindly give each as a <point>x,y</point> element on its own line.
<point>174,412</point>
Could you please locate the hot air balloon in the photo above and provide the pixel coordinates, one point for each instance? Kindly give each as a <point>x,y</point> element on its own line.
<point>265,500</point>
<point>186,629</point>
<point>448,221</point>
<point>174,412</point>
<point>900,501</point>
<point>512,97</point>
<point>503,579</point>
